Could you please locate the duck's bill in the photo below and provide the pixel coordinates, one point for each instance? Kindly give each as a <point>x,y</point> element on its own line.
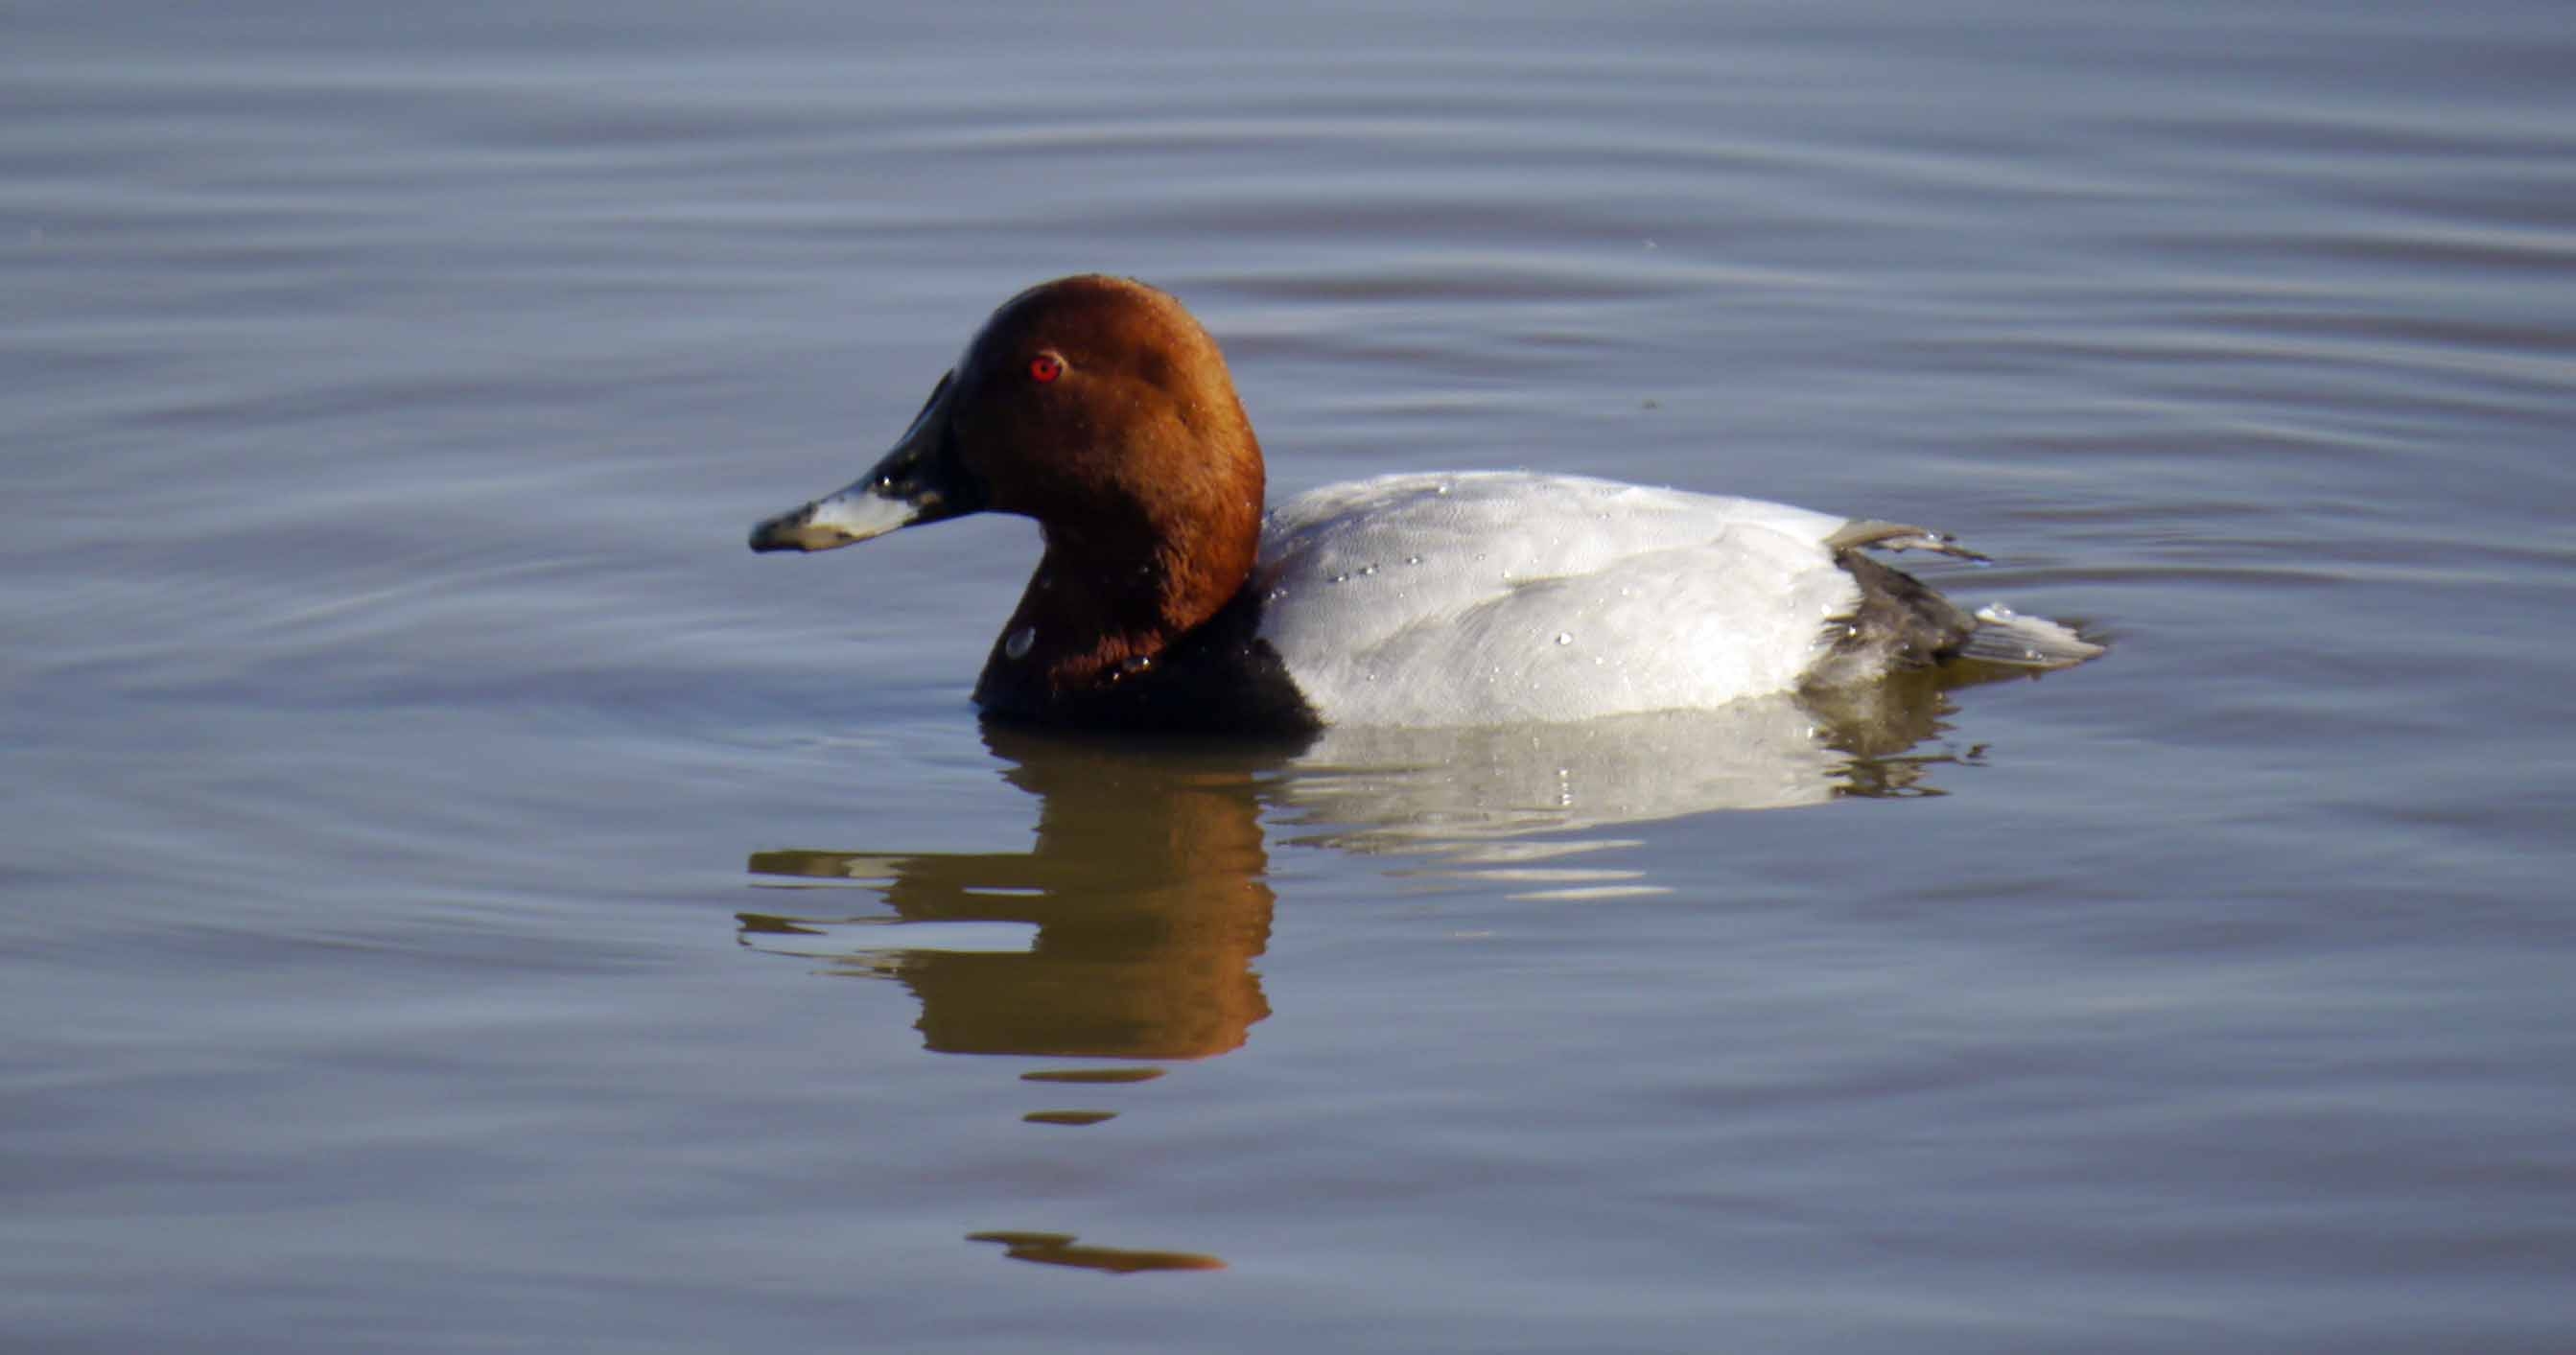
<point>918,481</point>
<point>853,515</point>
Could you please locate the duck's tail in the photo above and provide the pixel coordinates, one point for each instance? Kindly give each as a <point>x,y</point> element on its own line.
<point>2007,637</point>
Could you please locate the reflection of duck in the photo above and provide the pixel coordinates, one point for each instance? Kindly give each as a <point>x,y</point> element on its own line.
<point>1146,887</point>
<point>1514,805</point>
<point>1165,599</point>
<point>1062,1249</point>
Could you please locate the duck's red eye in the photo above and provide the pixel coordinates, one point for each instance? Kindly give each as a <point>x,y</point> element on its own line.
<point>1045,367</point>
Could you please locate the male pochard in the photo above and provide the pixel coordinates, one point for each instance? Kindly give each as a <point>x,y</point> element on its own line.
<point>1165,598</point>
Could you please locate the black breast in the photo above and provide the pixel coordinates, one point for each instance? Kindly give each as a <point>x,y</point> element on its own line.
<point>1221,678</point>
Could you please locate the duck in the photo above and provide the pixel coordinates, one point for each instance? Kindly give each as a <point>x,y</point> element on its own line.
<point>1169,596</point>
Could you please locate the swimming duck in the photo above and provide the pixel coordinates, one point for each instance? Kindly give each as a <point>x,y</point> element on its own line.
<point>1166,598</point>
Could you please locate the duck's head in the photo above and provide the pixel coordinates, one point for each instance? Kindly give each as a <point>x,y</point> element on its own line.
<point>1095,405</point>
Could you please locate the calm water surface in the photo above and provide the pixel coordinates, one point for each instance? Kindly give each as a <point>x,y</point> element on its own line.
<point>456,897</point>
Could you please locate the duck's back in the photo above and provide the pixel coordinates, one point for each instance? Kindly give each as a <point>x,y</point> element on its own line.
<point>1481,598</point>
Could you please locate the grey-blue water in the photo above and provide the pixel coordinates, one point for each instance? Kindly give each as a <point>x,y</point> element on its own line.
<point>452,896</point>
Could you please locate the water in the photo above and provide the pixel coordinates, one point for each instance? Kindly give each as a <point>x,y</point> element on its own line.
<point>456,897</point>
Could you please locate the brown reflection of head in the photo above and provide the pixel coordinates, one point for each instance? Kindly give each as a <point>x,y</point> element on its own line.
<point>1145,886</point>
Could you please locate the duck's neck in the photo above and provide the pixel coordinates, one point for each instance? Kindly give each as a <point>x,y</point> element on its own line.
<point>1104,606</point>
